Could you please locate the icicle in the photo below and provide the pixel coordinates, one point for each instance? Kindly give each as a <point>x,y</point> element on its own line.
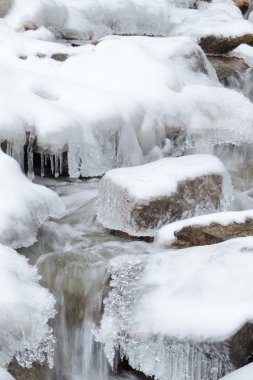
<point>18,151</point>
<point>9,149</point>
<point>42,165</point>
<point>61,162</point>
<point>30,158</point>
<point>52,164</point>
<point>56,160</point>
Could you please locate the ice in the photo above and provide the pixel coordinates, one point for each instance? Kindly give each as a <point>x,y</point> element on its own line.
<point>26,308</point>
<point>125,190</point>
<point>245,373</point>
<point>24,206</point>
<point>172,311</point>
<point>166,235</point>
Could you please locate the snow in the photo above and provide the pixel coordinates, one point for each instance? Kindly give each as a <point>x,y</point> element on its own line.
<point>166,235</point>
<point>225,21</point>
<point>244,373</point>
<point>26,308</point>
<point>4,375</point>
<point>88,19</point>
<point>24,206</point>
<point>170,298</point>
<point>245,52</point>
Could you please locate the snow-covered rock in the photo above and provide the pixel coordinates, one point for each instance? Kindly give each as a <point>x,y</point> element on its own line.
<point>98,101</point>
<point>141,199</point>
<point>26,308</point>
<point>24,206</point>
<point>179,314</point>
<point>206,229</point>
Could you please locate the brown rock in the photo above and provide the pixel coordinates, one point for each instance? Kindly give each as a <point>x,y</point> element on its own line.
<point>200,192</point>
<point>222,45</point>
<point>215,233</point>
<point>61,57</point>
<point>37,372</point>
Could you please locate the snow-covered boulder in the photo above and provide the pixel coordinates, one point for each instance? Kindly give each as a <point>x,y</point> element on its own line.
<point>26,308</point>
<point>179,314</point>
<point>219,27</point>
<point>24,206</point>
<point>206,229</point>
<point>97,104</point>
<point>141,199</point>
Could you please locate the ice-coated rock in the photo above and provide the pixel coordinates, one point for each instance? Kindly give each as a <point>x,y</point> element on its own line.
<point>26,308</point>
<point>206,229</point>
<point>24,206</point>
<point>181,314</point>
<point>141,199</point>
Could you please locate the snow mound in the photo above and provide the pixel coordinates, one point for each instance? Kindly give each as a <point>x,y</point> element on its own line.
<point>190,296</point>
<point>124,191</point>
<point>24,206</point>
<point>166,235</point>
<point>26,308</point>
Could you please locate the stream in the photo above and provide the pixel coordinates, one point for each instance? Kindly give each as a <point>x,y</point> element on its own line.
<point>72,255</point>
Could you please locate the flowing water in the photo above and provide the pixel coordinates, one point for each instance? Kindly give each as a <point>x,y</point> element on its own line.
<point>72,255</point>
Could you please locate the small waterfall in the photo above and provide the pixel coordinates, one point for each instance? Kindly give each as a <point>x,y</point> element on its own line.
<point>72,256</point>
<point>78,280</point>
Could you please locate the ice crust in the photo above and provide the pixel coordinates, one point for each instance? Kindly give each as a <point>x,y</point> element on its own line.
<point>24,206</point>
<point>26,308</point>
<point>158,310</point>
<point>121,190</point>
<point>166,235</point>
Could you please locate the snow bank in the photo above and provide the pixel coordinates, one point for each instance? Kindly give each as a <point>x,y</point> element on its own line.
<point>200,294</point>
<point>244,373</point>
<point>26,308</point>
<point>166,235</point>
<point>23,205</point>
